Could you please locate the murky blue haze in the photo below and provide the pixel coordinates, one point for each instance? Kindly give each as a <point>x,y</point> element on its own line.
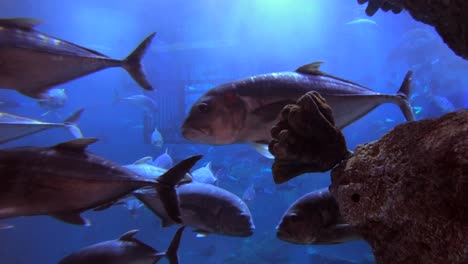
<point>198,45</point>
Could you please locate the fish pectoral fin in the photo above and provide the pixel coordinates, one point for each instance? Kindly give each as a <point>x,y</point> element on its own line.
<point>143,160</point>
<point>79,144</point>
<point>129,235</point>
<point>270,112</point>
<point>72,218</point>
<point>21,22</point>
<point>311,68</point>
<point>263,149</point>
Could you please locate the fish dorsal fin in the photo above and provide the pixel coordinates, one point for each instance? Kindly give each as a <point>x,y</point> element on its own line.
<point>78,144</point>
<point>25,23</point>
<point>143,160</point>
<point>129,235</point>
<point>311,68</point>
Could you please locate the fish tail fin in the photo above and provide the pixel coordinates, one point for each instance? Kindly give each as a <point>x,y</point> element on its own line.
<point>404,96</point>
<point>132,64</point>
<point>70,124</point>
<point>171,252</point>
<point>166,186</point>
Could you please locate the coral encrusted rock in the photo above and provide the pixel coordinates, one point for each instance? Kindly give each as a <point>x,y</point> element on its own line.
<point>407,193</point>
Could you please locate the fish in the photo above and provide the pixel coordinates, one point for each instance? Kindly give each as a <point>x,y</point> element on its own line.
<point>315,219</point>
<point>362,21</point>
<point>156,139</point>
<point>33,62</point>
<point>204,174</point>
<point>207,208</point>
<point>163,161</point>
<point>245,110</point>
<point>53,100</point>
<point>249,193</point>
<point>64,180</point>
<point>139,100</point>
<point>144,168</point>
<point>442,104</point>
<point>13,127</point>
<point>125,250</point>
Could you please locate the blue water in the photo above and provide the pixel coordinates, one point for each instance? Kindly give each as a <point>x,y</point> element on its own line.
<point>198,45</point>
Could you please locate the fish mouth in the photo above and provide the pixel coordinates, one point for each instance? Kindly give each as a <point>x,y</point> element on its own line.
<point>286,236</point>
<point>193,133</point>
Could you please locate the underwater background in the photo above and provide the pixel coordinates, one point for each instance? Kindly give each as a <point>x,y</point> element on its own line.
<point>198,45</point>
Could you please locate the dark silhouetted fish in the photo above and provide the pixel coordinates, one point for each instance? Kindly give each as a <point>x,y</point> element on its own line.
<point>315,219</point>
<point>13,126</point>
<point>207,208</point>
<point>33,62</point>
<point>244,111</point>
<point>125,250</point>
<point>65,180</point>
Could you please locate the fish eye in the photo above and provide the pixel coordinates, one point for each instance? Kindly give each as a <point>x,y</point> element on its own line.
<point>203,107</point>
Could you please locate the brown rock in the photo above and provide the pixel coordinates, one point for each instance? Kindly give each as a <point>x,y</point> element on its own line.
<point>407,194</point>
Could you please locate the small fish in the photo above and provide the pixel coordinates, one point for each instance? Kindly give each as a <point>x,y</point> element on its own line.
<point>163,161</point>
<point>54,99</point>
<point>156,139</point>
<point>139,100</point>
<point>33,62</point>
<point>125,250</point>
<point>315,219</point>
<point>204,175</point>
<point>14,126</point>
<point>207,208</point>
<point>442,104</point>
<point>69,180</point>
<point>244,111</point>
<point>362,21</point>
<point>249,193</point>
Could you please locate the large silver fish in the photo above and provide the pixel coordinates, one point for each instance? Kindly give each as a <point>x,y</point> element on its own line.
<point>65,180</point>
<point>125,250</point>
<point>315,219</point>
<point>207,208</point>
<point>14,126</point>
<point>245,110</point>
<point>33,62</point>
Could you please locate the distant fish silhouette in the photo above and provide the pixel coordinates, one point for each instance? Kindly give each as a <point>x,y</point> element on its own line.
<point>362,21</point>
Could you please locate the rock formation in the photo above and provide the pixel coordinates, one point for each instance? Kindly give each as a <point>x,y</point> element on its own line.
<point>407,193</point>
<point>449,18</point>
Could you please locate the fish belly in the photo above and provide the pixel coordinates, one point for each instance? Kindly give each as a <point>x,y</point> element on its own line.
<point>33,72</point>
<point>349,108</point>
